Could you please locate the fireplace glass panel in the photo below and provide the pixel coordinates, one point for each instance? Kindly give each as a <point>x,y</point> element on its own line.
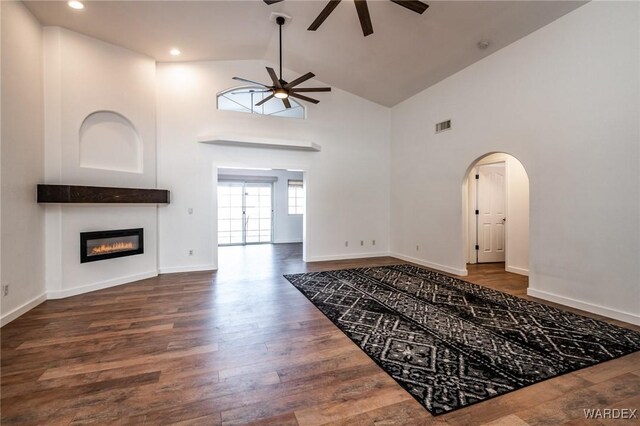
<point>112,245</point>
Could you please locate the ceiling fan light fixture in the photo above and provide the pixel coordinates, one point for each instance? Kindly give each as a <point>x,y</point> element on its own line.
<point>282,89</point>
<point>281,93</point>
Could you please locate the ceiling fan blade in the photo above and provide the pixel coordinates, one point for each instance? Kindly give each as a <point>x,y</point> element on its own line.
<point>274,77</point>
<point>299,80</point>
<point>323,15</point>
<point>286,103</point>
<point>249,81</point>
<point>312,89</point>
<point>363,15</point>
<point>304,98</point>
<point>265,100</point>
<point>270,2</point>
<point>414,5</point>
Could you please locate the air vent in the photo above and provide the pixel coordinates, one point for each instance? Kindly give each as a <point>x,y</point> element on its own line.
<point>441,127</point>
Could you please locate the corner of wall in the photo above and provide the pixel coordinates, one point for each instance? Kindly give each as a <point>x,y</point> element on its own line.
<point>22,160</point>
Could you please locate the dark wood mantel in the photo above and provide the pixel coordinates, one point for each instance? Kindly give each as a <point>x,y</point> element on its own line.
<point>100,194</point>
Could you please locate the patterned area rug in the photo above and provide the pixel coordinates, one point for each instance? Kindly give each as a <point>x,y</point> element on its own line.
<point>451,343</point>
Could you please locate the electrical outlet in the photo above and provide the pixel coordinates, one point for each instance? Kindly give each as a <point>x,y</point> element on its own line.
<point>417,248</point>
<point>190,252</point>
<point>5,290</point>
<point>346,243</point>
<point>190,210</point>
<point>373,243</point>
<point>361,242</point>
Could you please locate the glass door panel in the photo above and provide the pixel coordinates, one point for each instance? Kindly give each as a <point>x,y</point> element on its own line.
<point>230,215</point>
<point>258,212</point>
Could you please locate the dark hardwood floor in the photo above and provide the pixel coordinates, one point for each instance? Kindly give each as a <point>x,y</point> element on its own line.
<point>242,345</point>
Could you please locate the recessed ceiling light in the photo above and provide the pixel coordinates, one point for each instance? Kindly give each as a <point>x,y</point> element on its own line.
<point>175,52</point>
<point>75,4</point>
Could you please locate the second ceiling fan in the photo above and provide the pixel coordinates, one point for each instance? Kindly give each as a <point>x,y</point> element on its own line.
<point>363,12</point>
<point>282,89</point>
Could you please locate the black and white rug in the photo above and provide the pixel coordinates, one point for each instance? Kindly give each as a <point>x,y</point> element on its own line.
<point>451,343</point>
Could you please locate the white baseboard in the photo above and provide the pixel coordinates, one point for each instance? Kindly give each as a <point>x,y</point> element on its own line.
<point>190,268</point>
<point>515,270</point>
<point>444,268</point>
<point>59,294</point>
<point>346,256</point>
<point>585,306</point>
<point>7,318</point>
<point>288,242</point>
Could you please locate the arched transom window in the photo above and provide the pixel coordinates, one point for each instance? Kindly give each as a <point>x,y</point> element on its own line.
<point>245,98</point>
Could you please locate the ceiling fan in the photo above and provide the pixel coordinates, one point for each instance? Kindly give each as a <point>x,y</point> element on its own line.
<point>363,12</point>
<point>282,89</point>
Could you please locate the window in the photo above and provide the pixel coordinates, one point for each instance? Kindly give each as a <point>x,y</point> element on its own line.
<point>296,197</point>
<point>245,98</point>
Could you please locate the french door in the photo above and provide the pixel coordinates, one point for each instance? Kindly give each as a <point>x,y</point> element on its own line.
<point>245,213</point>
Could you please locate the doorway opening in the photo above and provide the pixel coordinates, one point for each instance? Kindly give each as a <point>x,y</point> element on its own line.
<point>496,212</point>
<point>258,209</point>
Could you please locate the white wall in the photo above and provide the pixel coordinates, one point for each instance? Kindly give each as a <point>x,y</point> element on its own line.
<point>517,213</point>
<point>564,101</point>
<point>347,182</point>
<point>22,163</point>
<point>82,76</point>
<point>287,228</point>
<point>517,256</point>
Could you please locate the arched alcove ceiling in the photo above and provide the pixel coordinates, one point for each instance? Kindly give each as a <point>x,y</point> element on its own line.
<point>488,154</point>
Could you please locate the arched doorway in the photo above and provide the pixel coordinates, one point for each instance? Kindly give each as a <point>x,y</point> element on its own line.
<point>496,212</point>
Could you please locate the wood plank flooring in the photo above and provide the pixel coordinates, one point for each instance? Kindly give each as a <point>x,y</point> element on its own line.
<point>240,346</point>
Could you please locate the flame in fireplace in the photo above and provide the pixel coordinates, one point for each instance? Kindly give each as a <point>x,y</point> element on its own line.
<point>110,248</point>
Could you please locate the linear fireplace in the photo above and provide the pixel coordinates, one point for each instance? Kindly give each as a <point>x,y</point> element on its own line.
<point>103,245</point>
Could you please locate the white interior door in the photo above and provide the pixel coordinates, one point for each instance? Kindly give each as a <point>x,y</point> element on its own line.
<point>491,218</point>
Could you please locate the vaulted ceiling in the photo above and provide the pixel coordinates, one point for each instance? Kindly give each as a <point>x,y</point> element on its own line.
<point>406,53</point>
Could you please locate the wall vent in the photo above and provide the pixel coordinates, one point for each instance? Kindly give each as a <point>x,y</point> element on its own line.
<point>441,127</point>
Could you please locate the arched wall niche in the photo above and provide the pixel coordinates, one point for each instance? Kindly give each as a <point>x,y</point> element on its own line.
<point>110,141</point>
